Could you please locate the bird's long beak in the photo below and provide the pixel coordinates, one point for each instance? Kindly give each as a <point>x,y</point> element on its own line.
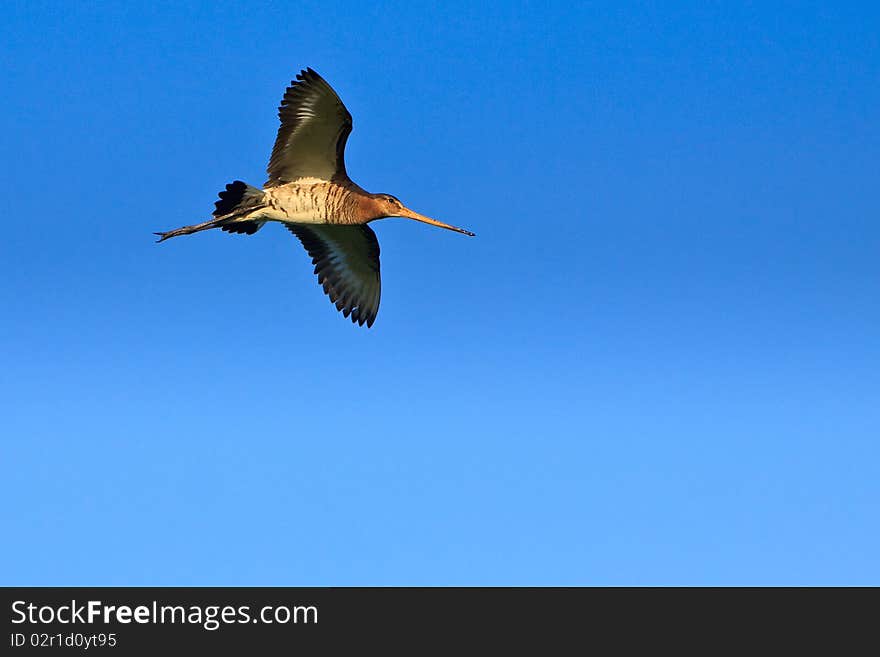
<point>409,214</point>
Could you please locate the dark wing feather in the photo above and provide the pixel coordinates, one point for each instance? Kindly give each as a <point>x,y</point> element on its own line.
<point>314,128</point>
<point>346,260</point>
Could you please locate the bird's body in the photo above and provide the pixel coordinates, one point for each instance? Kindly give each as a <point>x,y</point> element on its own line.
<point>313,201</point>
<point>310,193</point>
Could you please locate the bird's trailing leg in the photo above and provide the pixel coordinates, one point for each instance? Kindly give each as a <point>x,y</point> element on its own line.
<point>189,230</point>
<point>237,202</point>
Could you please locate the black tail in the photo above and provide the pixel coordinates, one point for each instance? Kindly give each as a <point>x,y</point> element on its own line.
<point>230,198</point>
<point>237,197</point>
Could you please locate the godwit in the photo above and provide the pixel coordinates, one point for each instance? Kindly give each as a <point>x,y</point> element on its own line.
<point>311,194</point>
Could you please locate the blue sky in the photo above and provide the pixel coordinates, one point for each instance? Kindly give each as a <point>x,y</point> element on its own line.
<point>657,363</point>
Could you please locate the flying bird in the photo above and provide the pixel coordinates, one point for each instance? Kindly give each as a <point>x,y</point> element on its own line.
<point>310,193</point>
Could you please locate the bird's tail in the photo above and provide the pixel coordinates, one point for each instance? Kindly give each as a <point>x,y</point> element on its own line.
<point>237,198</point>
<point>237,202</point>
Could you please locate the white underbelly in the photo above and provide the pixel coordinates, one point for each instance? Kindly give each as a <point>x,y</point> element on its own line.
<point>298,216</point>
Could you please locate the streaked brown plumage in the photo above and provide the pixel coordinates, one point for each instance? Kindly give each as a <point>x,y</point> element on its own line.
<point>309,191</point>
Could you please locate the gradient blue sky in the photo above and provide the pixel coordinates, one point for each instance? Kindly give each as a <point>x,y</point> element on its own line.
<point>657,363</point>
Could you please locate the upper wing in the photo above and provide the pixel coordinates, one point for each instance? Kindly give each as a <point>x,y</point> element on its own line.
<point>314,128</point>
<point>346,260</point>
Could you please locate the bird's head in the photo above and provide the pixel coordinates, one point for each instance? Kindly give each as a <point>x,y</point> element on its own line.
<point>385,205</point>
